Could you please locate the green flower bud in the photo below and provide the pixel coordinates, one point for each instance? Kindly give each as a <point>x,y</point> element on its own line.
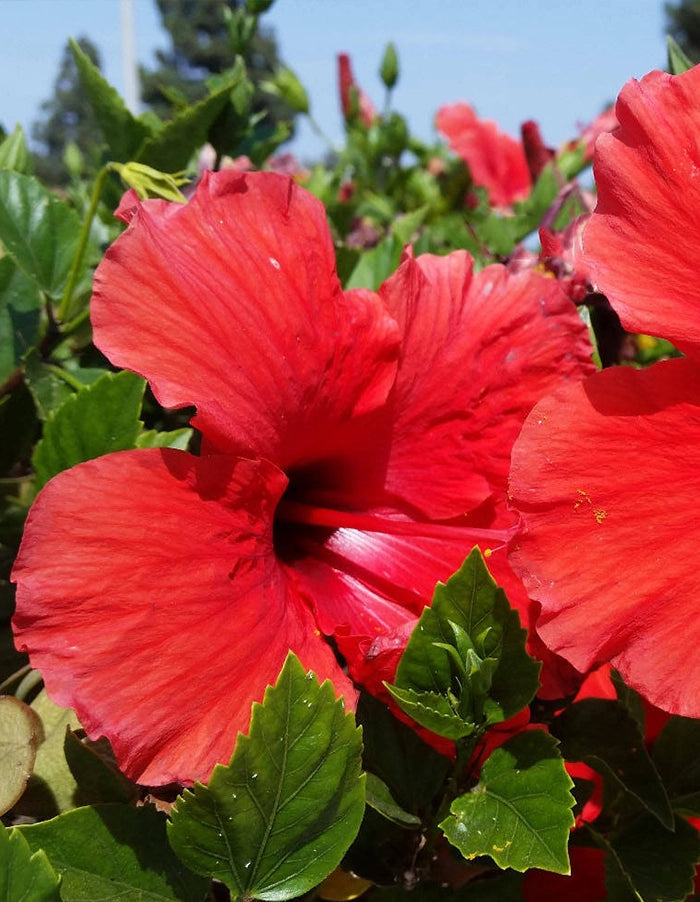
<point>389,70</point>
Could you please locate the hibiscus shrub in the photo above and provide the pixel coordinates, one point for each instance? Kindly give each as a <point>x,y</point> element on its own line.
<point>321,532</point>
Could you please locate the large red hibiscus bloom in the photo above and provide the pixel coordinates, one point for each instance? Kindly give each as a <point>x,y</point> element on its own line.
<point>354,447</point>
<point>496,161</point>
<point>605,472</point>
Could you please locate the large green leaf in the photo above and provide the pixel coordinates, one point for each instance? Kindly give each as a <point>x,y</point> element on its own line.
<point>25,876</point>
<point>114,852</point>
<point>279,818</point>
<point>171,147</point>
<point>604,735</point>
<point>465,665</point>
<point>38,230</point>
<point>123,133</point>
<point>20,316</point>
<point>99,419</point>
<point>519,813</point>
<point>677,757</point>
<point>647,863</point>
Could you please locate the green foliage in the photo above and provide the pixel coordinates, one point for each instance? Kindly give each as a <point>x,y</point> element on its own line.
<point>202,44</point>
<point>101,418</point>
<point>123,133</point>
<point>678,62</point>
<point>278,819</point>
<point>25,876</point>
<point>644,861</point>
<point>14,154</point>
<point>38,231</point>
<point>601,733</point>
<point>20,316</point>
<point>465,665</point>
<point>68,119</point>
<point>683,26</point>
<point>412,770</point>
<point>677,759</point>
<point>519,813</point>
<point>113,852</point>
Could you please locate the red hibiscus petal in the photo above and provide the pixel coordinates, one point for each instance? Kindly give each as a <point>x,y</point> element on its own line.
<point>241,283</point>
<point>642,241</point>
<point>604,475</point>
<point>478,351</point>
<point>149,597</point>
<point>496,161</point>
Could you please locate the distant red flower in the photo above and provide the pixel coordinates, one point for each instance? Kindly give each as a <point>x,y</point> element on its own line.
<point>353,100</point>
<point>496,161</point>
<point>606,472</point>
<point>355,446</point>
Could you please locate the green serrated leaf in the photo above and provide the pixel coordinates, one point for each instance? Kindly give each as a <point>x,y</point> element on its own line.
<point>677,759</point>
<point>114,852</point>
<point>519,813</point>
<point>432,711</point>
<point>495,682</point>
<point>644,861</point>
<point>13,152</point>
<point>101,418</point>
<point>122,131</point>
<point>279,818</point>
<point>604,735</point>
<point>39,231</point>
<point>379,798</point>
<point>177,438</point>
<point>678,62</point>
<point>171,147</point>
<point>25,877</point>
<point>20,316</point>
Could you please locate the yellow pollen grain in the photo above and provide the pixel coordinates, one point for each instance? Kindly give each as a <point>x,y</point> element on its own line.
<point>583,498</point>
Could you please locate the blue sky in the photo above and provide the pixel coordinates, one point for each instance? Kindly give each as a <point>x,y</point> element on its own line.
<point>548,60</point>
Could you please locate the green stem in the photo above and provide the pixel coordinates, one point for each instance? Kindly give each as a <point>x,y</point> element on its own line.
<point>321,134</point>
<point>30,681</point>
<point>66,377</point>
<point>65,307</point>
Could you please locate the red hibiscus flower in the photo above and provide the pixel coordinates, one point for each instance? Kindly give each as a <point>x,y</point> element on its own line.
<point>604,472</point>
<point>355,446</point>
<point>496,161</point>
<point>353,100</point>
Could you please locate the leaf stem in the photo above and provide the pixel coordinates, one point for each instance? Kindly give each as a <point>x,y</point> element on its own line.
<point>65,307</point>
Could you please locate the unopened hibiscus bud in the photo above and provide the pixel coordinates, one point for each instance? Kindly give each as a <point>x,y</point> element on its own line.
<point>353,100</point>
<point>389,70</point>
<point>537,153</point>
